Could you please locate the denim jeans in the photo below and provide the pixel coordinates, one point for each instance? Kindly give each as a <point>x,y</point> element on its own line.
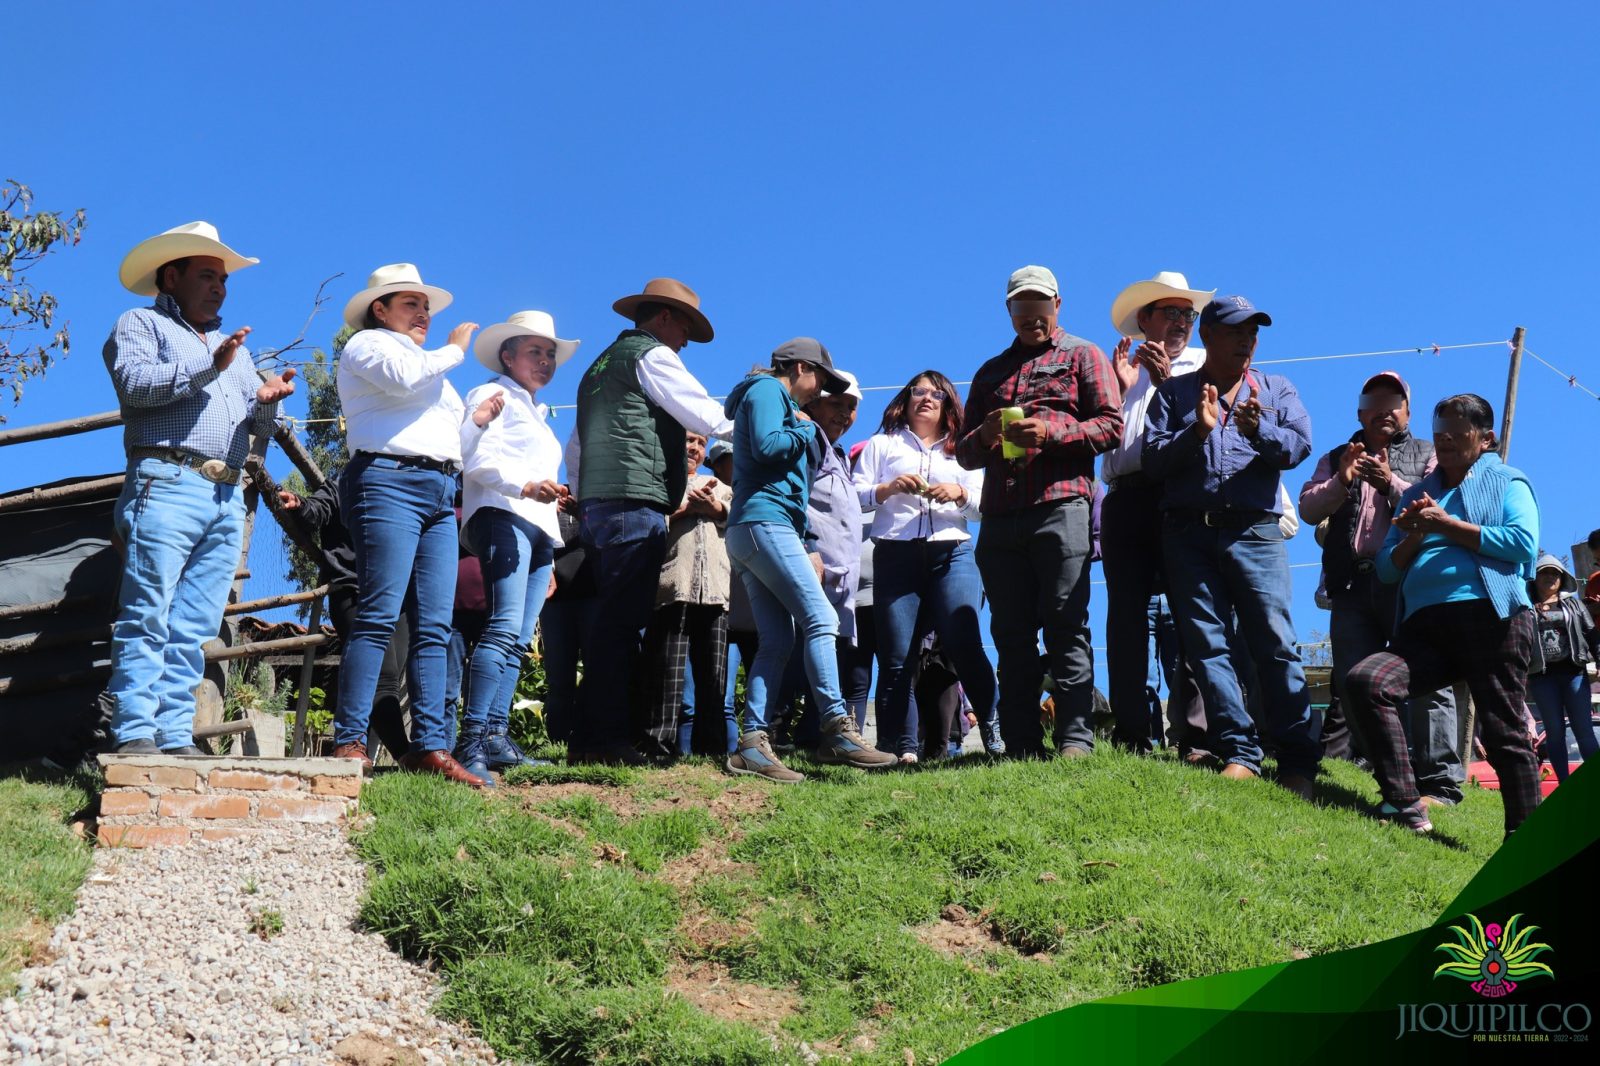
<point>627,542</point>
<point>1035,567</point>
<point>785,594</point>
<point>855,663</point>
<point>1562,696</point>
<point>561,628</point>
<point>387,725</point>
<point>517,558</point>
<point>182,537</point>
<point>1220,573</point>
<point>1165,662</point>
<point>1361,623</point>
<point>402,524</point>
<point>938,580</point>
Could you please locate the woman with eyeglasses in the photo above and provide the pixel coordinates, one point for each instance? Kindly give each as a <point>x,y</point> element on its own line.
<point>924,574</point>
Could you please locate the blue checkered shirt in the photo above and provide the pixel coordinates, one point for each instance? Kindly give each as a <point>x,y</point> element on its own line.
<point>171,394</point>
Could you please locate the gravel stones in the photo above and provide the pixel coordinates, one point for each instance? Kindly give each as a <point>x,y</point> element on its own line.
<point>160,964</point>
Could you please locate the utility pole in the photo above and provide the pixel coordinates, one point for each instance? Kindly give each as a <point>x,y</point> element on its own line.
<point>1510,409</point>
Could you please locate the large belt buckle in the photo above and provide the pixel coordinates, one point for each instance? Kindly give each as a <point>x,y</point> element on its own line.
<point>217,471</point>
<point>1211,519</point>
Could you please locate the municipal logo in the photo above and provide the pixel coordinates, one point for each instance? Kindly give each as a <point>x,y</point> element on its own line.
<point>1493,958</point>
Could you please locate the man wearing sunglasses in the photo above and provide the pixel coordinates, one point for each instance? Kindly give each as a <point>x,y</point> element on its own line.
<point>1219,439</point>
<point>1158,316</point>
<point>1050,400</point>
<point>1354,489</point>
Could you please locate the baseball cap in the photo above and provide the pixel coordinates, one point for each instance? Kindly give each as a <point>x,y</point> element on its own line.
<point>1231,311</point>
<point>1391,376</point>
<point>1032,279</point>
<point>717,449</point>
<point>810,350</point>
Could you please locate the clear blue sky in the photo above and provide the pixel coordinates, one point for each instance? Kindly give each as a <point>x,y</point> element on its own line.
<point>1375,175</point>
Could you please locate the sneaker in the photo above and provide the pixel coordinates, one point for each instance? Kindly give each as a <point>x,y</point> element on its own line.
<point>138,747</point>
<point>1413,817</point>
<point>502,753</point>
<point>844,745</point>
<point>755,758</point>
<point>183,749</point>
<point>908,758</point>
<point>1438,801</point>
<point>472,757</point>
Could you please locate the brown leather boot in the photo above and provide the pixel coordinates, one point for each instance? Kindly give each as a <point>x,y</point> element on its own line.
<point>1235,771</point>
<point>354,750</point>
<point>441,763</point>
<point>1300,786</point>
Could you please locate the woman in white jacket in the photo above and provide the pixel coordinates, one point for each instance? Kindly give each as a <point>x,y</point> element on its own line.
<point>404,424</point>
<point>922,559</point>
<point>509,500</point>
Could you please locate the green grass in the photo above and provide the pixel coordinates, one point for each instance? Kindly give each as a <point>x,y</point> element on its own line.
<point>571,928</point>
<point>41,865</point>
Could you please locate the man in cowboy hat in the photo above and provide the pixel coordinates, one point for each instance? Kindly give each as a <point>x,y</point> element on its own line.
<point>1354,489</point>
<point>1218,439</point>
<point>190,399</point>
<point>1034,544</point>
<point>1160,314</point>
<point>634,405</point>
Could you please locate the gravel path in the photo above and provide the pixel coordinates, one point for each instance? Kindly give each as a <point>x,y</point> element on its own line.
<point>159,964</point>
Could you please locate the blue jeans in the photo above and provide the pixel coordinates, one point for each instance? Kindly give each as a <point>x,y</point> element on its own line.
<point>1563,697</point>
<point>1217,573</point>
<point>561,628</point>
<point>627,542</point>
<point>1035,566</point>
<point>939,581</point>
<point>784,594</point>
<point>517,558</point>
<point>402,525</point>
<point>182,537</point>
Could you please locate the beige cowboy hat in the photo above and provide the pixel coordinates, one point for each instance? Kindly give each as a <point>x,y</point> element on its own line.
<point>138,270</point>
<point>673,293</point>
<point>521,324</point>
<point>396,277</point>
<point>1136,297</point>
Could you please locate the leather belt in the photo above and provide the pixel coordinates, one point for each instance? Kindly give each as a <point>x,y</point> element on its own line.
<point>1363,565</point>
<point>1220,519</point>
<point>442,466</point>
<point>214,470</point>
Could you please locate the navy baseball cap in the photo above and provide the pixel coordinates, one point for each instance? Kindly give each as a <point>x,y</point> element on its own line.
<point>1231,311</point>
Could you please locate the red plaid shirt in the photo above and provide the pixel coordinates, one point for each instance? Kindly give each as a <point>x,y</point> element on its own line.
<point>1070,385</point>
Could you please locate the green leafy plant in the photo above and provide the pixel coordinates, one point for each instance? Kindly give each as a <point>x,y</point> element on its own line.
<point>26,238</point>
<point>266,924</point>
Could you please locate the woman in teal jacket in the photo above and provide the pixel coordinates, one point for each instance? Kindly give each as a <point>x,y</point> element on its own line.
<point>1461,549</point>
<point>766,527</point>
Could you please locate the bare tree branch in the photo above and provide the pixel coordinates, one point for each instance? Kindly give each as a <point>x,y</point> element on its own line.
<point>275,355</point>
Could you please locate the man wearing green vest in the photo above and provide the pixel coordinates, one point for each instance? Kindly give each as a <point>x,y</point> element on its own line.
<point>634,405</point>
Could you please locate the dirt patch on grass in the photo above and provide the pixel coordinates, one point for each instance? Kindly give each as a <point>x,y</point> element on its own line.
<point>960,934</point>
<point>708,986</point>
<point>621,802</point>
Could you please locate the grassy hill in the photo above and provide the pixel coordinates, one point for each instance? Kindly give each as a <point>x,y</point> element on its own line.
<point>688,917</point>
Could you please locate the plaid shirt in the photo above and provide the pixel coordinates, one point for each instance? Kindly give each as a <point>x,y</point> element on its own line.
<point>171,394</point>
<point>1070,385</point>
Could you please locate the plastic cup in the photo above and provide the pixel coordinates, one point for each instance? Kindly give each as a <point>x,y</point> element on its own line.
<point>1009,415</point>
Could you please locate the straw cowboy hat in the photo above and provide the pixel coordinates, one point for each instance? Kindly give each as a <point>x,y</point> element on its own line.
<point>521,324</point>
<point>1136,297</point>
<point>674,294</point>
<point>138,271</point>
<point>396,277</point>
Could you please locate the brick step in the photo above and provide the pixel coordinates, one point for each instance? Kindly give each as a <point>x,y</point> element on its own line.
<point>172,800</point>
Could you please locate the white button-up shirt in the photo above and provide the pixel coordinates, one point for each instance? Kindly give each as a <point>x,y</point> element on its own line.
<point>902,516</point>
<point>396,399</point>
<point>1125,458</point>
<point>514,449</point>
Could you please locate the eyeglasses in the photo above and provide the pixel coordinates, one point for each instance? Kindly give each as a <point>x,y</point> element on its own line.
<point>920,391</point>
<point>1186,315</point>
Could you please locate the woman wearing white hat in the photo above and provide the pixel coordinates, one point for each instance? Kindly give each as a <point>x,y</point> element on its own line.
<point>404,426</point>
<point>509,502</point>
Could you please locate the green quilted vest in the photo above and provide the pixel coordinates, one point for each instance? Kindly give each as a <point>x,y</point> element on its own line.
<point>632,449</point>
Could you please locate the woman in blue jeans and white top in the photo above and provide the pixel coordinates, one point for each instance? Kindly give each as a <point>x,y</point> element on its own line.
<point>923,566</point>
<point>771,486</point>
<point>404,424</point>
<point>509,499</point>
<point>1558,678</point>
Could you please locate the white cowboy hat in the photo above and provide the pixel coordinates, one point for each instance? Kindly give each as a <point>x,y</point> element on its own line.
<point>396,277</point>
<point>521,324</point>
<point>1136,297</point>
<point>138,270</point>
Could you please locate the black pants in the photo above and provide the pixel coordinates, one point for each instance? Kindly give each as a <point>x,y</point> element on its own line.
<point>388,720</point>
